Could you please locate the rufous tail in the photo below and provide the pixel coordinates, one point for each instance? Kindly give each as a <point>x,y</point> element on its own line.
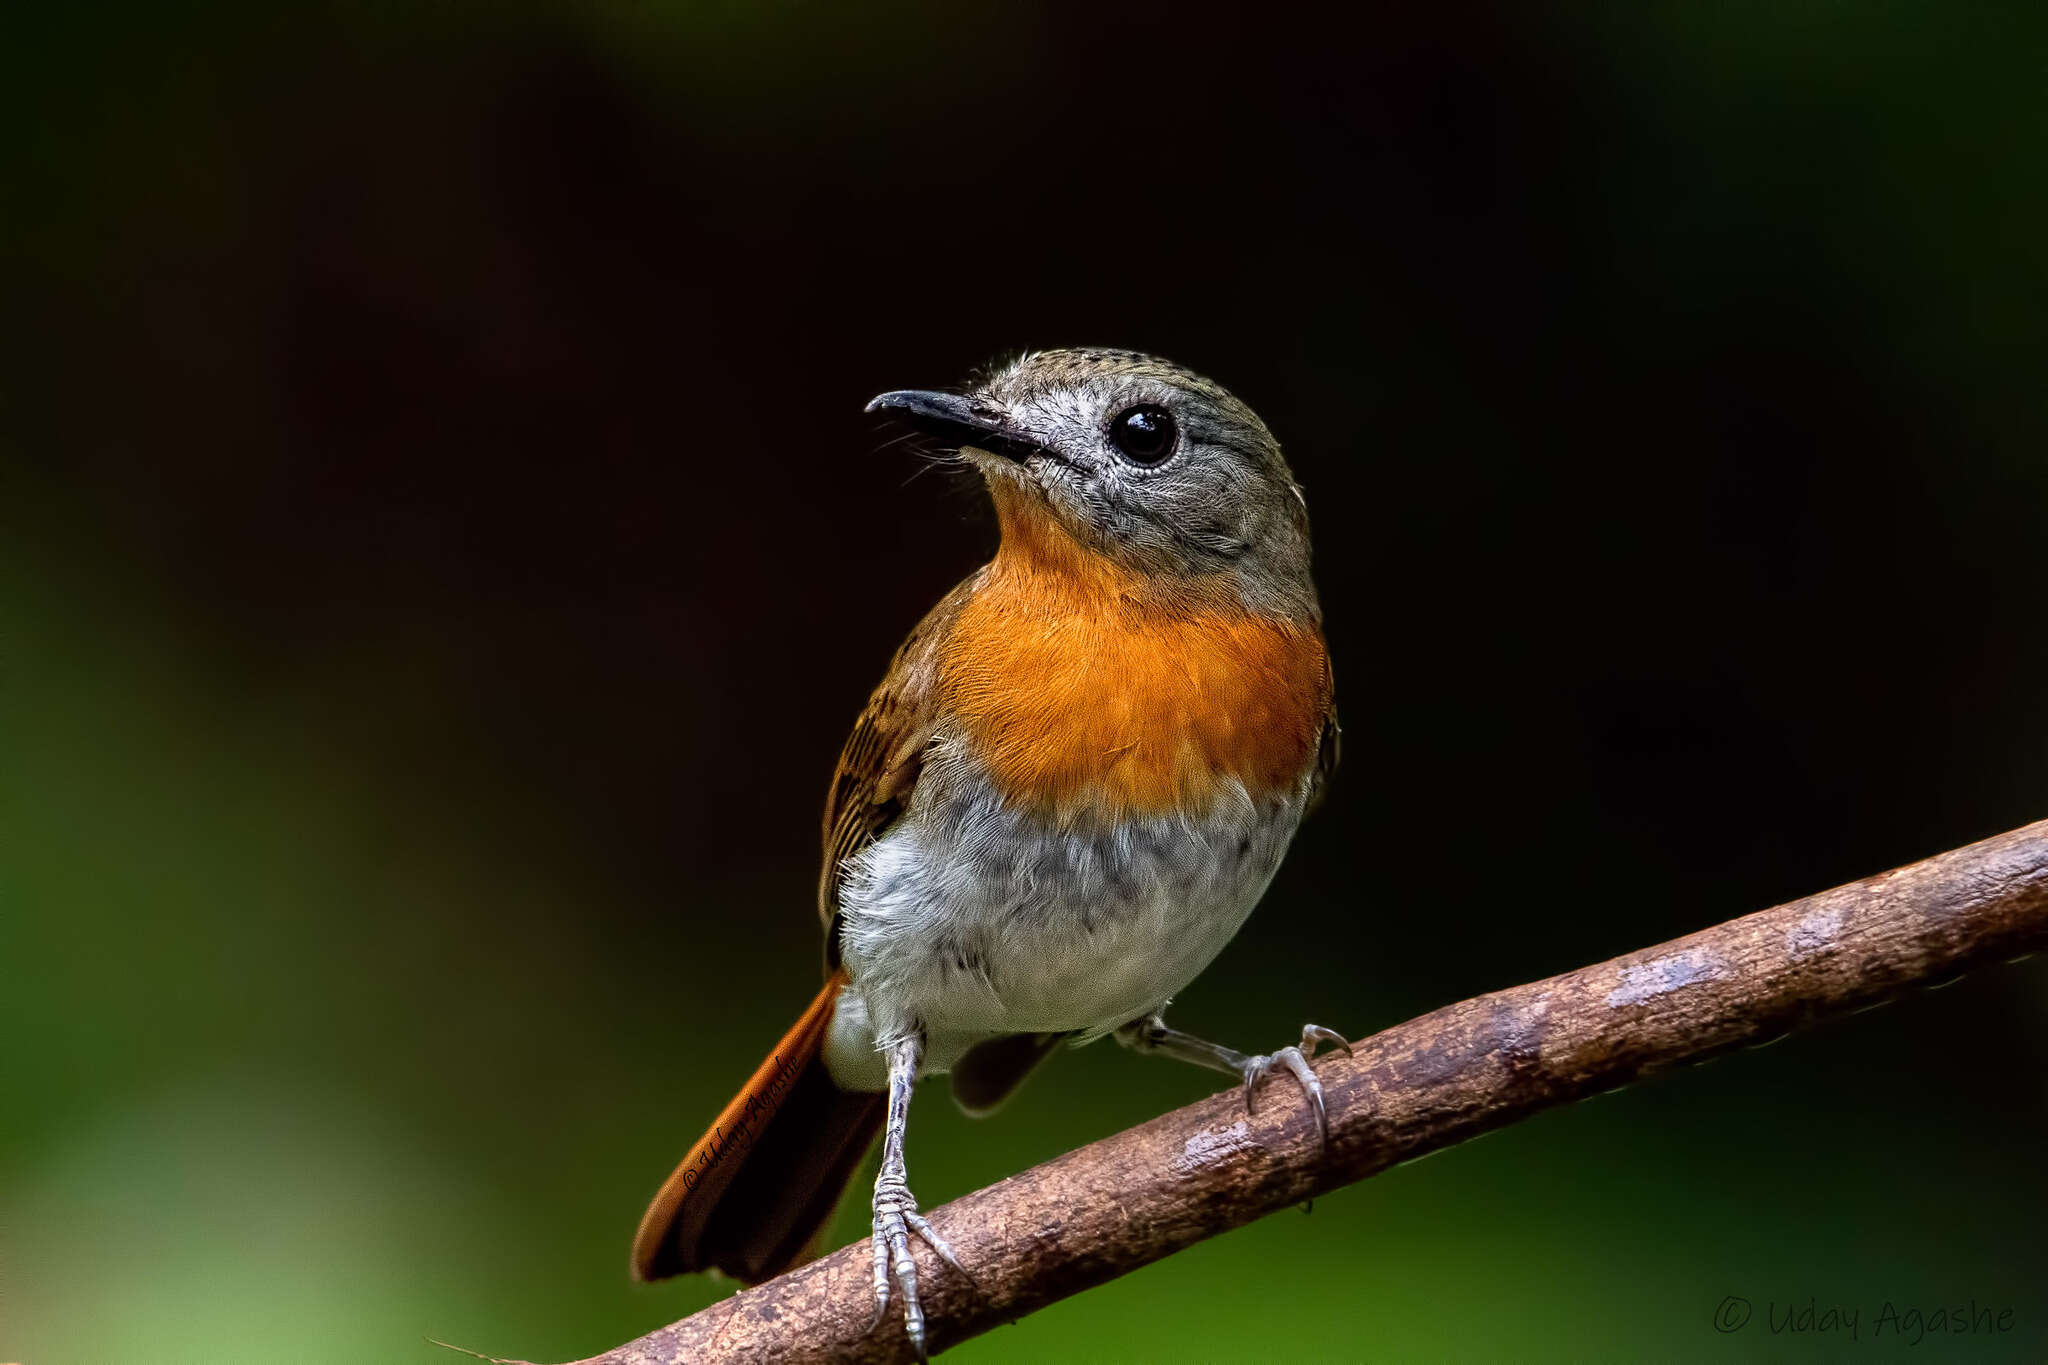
<point>761,1184</point>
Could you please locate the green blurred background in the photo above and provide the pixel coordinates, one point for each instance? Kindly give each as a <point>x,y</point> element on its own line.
<point>441,550</point>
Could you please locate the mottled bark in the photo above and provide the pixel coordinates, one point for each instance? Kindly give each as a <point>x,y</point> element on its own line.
<point>1131,1199</point>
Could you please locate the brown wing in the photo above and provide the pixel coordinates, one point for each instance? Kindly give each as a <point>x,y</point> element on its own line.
<point>1329,745</point>
<point>883,756</point>
<point>1329,749</point>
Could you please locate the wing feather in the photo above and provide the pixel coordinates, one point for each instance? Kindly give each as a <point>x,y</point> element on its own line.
<point>884,756</point>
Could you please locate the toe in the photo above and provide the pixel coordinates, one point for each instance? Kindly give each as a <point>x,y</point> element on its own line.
<point>1314,1035</point>
<point>923,1228</point>
<point>1255,1070</point>
<point>1294,1061</point>
<point>881,1241</point>
<point>905,1267</point>
<point>896,1218</point>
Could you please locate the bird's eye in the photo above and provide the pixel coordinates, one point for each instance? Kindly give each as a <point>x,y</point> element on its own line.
<point>1144,434</point>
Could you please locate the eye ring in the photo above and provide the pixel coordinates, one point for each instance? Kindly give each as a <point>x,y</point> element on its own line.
<point>1145,434</point>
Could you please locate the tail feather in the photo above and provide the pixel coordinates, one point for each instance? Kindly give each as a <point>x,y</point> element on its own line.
<point>761,1184</point>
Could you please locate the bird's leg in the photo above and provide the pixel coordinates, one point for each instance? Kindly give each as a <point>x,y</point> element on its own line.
<point>1150,1034</point>
<point>896,1215</point>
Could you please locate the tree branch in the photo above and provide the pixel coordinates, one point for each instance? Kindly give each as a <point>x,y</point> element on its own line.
<point>1146,1193</point>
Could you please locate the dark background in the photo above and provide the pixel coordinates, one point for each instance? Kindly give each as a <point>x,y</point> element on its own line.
<point>441,550</point>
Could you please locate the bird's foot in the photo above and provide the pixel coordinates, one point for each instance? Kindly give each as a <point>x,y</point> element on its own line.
<point>896,1217</point>
<point>1296,1060</point>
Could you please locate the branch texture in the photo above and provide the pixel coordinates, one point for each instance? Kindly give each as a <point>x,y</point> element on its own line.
<point>1146,1193</point>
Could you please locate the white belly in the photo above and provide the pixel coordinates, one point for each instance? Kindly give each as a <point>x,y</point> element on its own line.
<point>970,918</point>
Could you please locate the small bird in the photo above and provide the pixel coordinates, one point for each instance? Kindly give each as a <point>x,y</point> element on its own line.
<point>1076,780</point>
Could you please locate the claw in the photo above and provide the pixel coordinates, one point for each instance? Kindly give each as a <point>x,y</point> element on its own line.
<point>1313,1035</point>
<point>924,1229</point>
<point>896,1217</point>
<point>881,1275</point>
<point>1296,1060</point>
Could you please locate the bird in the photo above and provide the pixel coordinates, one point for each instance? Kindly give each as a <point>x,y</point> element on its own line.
<point>1077,778</point>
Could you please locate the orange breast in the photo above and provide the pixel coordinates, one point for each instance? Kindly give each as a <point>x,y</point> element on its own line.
<point>1087,692</point>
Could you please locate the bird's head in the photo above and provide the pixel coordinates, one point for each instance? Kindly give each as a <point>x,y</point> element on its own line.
<point>1136,460</point>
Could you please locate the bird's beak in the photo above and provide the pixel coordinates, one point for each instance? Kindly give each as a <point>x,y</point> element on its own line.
<point>956,421</point>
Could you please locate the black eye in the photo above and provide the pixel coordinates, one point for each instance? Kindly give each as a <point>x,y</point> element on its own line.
<point>1144,434</point>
